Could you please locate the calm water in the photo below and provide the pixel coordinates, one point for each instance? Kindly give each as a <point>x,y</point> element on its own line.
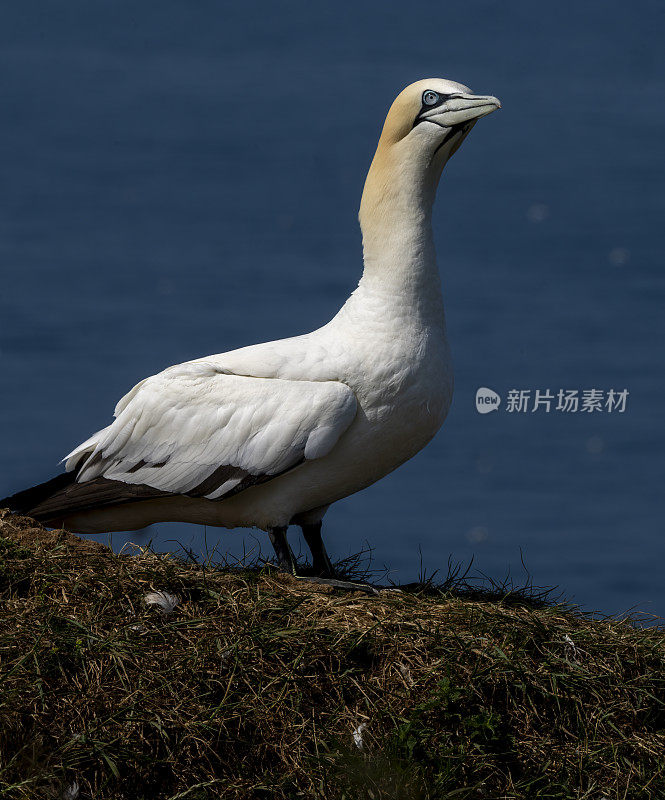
<point>184,179</point>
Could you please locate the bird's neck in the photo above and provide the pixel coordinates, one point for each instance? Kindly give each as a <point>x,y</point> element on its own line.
<point>396,223</point>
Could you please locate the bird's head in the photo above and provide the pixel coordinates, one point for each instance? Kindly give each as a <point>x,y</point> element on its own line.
<point>431,118</point>
<point>426,124</point>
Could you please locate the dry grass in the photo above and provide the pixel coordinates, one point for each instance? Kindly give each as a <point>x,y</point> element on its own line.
<point>254,685</point>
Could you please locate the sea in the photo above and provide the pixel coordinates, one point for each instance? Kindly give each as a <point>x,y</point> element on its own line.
<point>180,179</point>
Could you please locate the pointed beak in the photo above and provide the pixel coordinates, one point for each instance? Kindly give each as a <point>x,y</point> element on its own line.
<point>462,108</point>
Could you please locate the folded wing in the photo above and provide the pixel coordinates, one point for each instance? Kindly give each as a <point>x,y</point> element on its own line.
<point>197,430</point>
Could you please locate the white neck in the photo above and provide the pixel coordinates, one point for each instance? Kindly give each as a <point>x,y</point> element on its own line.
<point>396,223</point>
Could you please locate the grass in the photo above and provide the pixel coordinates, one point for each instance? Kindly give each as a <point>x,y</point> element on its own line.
<point>257,686</point>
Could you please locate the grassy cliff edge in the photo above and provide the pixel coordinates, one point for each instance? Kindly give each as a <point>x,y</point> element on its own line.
<point>256,685</point>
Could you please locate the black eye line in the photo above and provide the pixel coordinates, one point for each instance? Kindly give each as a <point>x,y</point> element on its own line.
<point>424,107</point>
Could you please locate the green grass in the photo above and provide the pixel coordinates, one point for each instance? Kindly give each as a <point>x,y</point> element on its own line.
<point>254,686</point>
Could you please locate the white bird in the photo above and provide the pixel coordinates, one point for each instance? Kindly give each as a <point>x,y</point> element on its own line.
<point>272,434</point>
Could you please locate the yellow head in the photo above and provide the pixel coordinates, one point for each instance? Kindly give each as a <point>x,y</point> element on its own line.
<point>426,124</point>
<point>434,103</point>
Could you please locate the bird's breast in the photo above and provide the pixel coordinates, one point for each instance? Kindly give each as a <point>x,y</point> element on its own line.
<point>404,385</point>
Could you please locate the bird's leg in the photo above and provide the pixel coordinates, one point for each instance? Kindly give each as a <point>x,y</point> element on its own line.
<point>285,557</point>
<point>320,560</point>
<point>323,567</point>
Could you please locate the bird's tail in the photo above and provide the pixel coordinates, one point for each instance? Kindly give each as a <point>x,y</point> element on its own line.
<point>57,500</point>
<point>32,501</point>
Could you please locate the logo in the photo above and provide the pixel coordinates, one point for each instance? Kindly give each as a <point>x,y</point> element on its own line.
<point>487,400</point>
<point>567,401</point>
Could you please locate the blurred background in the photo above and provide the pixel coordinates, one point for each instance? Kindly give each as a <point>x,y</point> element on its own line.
<point>180,179</point>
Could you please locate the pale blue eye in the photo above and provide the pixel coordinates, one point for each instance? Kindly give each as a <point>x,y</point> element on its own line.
<point>430,98</point>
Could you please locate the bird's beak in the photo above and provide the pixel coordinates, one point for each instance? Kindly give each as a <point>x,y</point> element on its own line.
<point>462,108</point>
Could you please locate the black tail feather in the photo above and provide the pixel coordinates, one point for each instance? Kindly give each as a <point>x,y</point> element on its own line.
<point>62,496</point>
<point>23,502</point>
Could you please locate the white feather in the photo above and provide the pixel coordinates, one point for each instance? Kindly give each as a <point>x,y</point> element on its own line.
<point>163,600</point>
<point>199,418</point>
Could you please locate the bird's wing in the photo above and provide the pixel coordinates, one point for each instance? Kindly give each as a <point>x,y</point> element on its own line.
<point>196,429</point>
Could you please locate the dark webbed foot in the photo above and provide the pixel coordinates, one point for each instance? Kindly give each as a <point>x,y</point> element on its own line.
<point>336,583</point>
<point>324,574</point>
<point>321,565</point>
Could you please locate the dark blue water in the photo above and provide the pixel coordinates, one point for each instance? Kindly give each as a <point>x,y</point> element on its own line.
<point>179,179</point>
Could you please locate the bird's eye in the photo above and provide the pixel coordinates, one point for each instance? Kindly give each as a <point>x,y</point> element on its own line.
<point>430,98</point>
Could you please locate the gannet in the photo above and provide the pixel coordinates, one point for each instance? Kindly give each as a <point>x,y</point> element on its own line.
<point>272,434</point>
